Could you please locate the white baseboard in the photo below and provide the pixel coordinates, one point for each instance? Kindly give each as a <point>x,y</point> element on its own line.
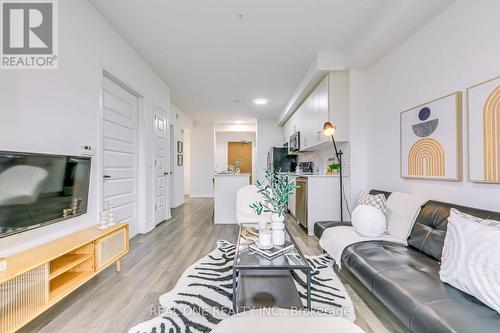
<point>201,196</point>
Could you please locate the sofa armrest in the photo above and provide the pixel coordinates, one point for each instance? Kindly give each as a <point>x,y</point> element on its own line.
<point>320,227</point>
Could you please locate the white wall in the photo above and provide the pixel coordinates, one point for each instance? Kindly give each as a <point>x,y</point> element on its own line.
<point>202,159</point>
<point>456,50</point>
<point>221,147</point>
<point>358,144</point>
<point>182,125</point>
<point>57,111</point>
<point>269,134</point>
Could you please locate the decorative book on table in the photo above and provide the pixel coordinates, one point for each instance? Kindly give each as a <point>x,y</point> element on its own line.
<point>274,252</point>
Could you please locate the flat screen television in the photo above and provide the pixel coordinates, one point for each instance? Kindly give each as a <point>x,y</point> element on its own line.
<point>40,189</point>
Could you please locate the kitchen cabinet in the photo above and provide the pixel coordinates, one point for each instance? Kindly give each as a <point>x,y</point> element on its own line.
<point>318,199</point>
<point>320,112</point>
<point>290,126</point>
<point>304,124</point>
<point>312,115</point>
<point>339,106</point>
<point>329,101</point>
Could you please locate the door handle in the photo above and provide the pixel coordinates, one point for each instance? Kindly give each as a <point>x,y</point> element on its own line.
<point>166,173</point>
<point>106,176</point>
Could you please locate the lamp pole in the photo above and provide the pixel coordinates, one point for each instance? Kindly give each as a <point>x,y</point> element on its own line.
<point>329,130</point>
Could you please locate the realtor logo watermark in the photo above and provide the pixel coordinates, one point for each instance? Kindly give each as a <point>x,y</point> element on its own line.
<point>29,34</point>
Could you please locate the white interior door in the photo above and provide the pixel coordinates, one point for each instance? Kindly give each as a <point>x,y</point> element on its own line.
<point>120,111</point>
<point>162,166</point>
<point>173,161</point>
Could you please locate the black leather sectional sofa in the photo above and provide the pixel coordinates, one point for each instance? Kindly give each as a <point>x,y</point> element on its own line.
<point>406,278</point>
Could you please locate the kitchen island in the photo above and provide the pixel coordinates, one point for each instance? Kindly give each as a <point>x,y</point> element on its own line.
<point>226,187</point>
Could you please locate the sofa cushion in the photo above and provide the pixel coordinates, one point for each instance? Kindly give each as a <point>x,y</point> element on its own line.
<point>407,282</point>
<point>366,260</point>
<point>429,230</point>
<point>455,315</point>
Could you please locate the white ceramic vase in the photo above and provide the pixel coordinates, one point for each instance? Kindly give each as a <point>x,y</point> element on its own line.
<point>263,224</point>
<point>278,228</point>
<point>265,237</point>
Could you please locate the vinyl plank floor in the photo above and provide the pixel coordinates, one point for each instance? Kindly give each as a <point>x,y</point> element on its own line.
<point>114,302</point>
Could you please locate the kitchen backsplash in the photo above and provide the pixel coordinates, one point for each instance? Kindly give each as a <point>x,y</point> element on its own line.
<point>321,156</point>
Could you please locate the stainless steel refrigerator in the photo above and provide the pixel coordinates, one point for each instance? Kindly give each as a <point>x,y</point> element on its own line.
<point>278,158</point>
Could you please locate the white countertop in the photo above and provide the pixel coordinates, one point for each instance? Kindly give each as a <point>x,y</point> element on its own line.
<point>232,175</point>
<point>309,175</point>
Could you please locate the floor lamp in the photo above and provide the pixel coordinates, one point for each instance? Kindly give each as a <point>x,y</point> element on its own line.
<point>329,130</point>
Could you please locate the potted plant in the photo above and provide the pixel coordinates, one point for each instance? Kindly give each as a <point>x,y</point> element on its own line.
<point>275,193</point>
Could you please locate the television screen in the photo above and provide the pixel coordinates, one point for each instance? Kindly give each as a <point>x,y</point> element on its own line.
<point>38,189</point>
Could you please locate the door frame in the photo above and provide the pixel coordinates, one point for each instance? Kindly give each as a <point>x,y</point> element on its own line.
<point>138,163</point>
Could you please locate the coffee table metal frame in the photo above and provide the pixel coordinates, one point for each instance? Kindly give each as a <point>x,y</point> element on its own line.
<point>242,267</point>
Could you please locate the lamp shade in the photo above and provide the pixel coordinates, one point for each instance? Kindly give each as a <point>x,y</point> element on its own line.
<point>329,129</point>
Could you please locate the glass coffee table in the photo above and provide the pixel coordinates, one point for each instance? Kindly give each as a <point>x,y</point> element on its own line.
<point>262,282</point>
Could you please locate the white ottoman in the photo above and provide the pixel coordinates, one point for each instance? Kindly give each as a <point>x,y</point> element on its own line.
<point>284,321</point>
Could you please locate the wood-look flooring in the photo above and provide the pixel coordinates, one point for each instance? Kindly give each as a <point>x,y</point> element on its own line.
<point>114,302</point>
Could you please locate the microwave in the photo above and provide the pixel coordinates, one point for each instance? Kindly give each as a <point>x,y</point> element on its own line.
<point>294,142</point>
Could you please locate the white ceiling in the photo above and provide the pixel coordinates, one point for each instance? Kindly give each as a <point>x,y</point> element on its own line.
<point>217,55</point>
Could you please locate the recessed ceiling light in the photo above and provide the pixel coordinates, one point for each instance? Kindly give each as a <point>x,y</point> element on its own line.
<point>261,101</point>
<point>239,122</point>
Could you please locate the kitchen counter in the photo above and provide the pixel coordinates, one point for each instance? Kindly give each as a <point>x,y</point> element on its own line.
<point>226,187</point>
<point>306,175</point>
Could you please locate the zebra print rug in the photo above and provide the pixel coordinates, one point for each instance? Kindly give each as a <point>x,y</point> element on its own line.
<point>203,295</point>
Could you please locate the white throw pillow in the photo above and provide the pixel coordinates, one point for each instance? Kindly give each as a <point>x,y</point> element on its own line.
<point>402,211</point>
<point>470,260</point>
<point>368,221</point>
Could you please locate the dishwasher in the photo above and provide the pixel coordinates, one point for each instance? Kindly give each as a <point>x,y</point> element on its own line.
<point>301,201</point>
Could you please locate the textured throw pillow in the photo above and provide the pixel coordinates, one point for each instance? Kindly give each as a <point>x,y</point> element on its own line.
<point>368,221</point>
<point>377,201</point>
<point>470,260</point>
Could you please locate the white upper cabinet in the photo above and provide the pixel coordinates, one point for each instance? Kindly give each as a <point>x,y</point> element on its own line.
<point>321,114</point>
<point>339,105</point>
<point>329,101</point>
<point>304,124</point>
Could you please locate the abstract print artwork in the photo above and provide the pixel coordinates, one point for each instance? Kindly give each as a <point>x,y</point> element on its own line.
<point>431,140</point>
<point>484,131</point>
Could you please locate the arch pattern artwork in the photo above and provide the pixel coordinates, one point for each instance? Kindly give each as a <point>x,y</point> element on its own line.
<point>491,132</point>
<point>426,158</point>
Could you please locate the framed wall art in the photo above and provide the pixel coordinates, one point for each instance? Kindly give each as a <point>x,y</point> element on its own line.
<point>483,105</point>
<point>431,144</point>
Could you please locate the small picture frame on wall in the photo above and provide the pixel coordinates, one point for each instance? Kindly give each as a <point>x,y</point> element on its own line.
<point>180,147</point>
<point>431,142</point>
<point>180,160</point>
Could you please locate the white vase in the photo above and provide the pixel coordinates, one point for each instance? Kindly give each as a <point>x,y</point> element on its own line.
<point>263,224</point>
<point>265,237</point>
<point>278,228</point>
<point>277,218</point>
